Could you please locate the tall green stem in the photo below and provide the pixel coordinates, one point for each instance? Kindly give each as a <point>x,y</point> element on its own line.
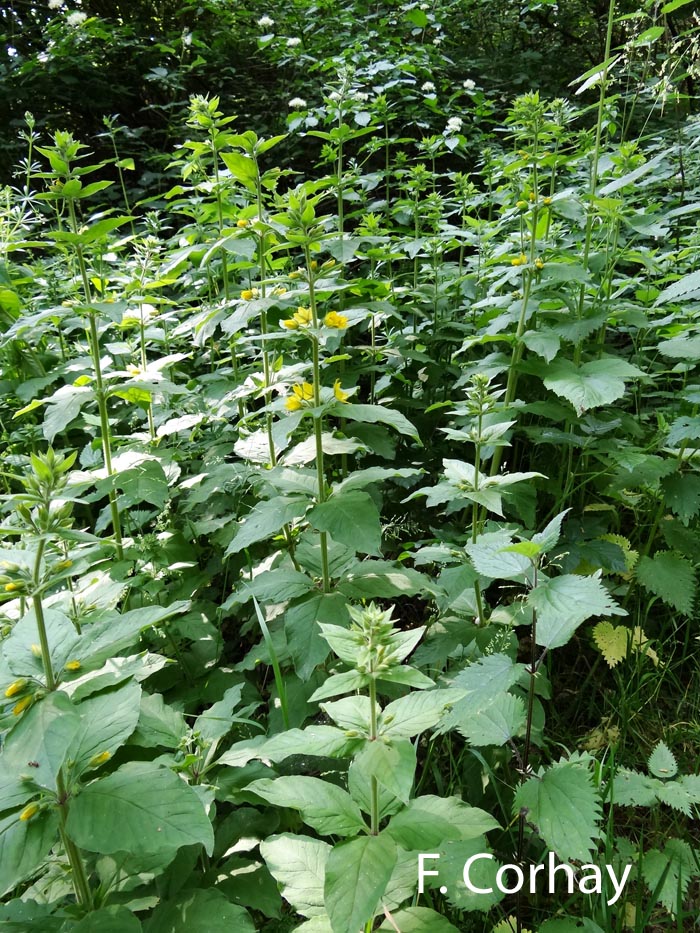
<point>374,786</point>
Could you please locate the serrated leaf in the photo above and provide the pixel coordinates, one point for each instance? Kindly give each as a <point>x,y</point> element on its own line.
<point>490,559</point>
<point>662,762</point>
<point>298,864</point>
<point>682,494</point>
<point>563,603</point>
<point>678,863</point>
<point>329,809</point>
<point>612,641</point>
<point>266,519</point>
<point>670,577</point>
<point>357,874</point>
<point>564,806</point>
<point>416,712</point>
<point>596,383</point>
<point>684,287</point>
<point>496,723</point>
<point>632,789</point>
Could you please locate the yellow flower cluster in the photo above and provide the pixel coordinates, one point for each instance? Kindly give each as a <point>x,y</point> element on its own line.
<point>520,260</point>
<point>303,395</point>
<point>333,319</point>
<point>302,317</point>
<point>249,293</point>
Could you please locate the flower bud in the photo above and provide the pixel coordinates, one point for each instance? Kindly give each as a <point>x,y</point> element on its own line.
<point>29,811</point>
<point>17,686</point>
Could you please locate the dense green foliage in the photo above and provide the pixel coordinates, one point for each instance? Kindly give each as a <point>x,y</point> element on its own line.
<point>351,491</point>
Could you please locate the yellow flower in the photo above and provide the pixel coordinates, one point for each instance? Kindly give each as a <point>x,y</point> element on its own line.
<point>338,392</point>
<point>11,587</point>
<point>521,205</point>
<point>520,260</point>
<point>249,293</point>
<point>36,650</point>
<point>333,319</point>
<point>546,200</point>
<point>302,317</point>
<point>21,705</point>
<point>99,759</point>
<point>532,195</point>
<point>17,686</point>
<point>73,666</point>
<point>290,323</point>
<point>328,264</point>
<point>29,812</point>
<point>64,565</point>
<point>314,264</point>
<point>302,393</point>
<point>279,290</point>
<point>242,222</point>
<point>539,264</point>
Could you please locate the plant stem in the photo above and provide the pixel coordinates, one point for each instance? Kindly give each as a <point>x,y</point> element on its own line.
<point>374,786</point>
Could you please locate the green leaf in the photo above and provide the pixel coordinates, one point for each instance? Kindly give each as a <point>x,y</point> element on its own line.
<point>418,920</point>
<point>374,414</point>
<point>416,712</point>
<point>495,724</point>
<point>482,874</point>
<point>490,559</point>
<point>393,765</point>
<point>678,864</point>
<point>428,821</point>
<point>350,518</point>
<point>357,874</point>
<point>112,919</point>
<point>144,482</point>
<point>206,909</point>
<point>339,683</point>
<point>106,722</point>
<point>158,724</point>
<point>298,864</point>
<point>43,734</point>
<point>564,806</point>
<point>662,763</point>
<point>563,603</point>
<point>671,577</point>
<point>139,809</point>
<point>682,493</point>
<point>326,807</point>
<point>686,287</point>
<point>612,642</point>
<point>596,383</point>
<point>24,844</point>
<point>632,789</point>
<point>674,5</point>
<point>380,579</point>
<point>266,519</point>
<point>302,623</point>
<point>323,741</point>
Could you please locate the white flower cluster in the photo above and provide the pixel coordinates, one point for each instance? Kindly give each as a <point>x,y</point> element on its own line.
<point>297,103</point>
<point>454,125</point>
<point>293,42</point>
<point>55,4</point>
<point>428,87</point>
<point>266,22</point>
<point>469,85</point>
<point>77,18</point>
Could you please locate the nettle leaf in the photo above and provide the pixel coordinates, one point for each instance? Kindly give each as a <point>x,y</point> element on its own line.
<point>563,603</point>
<point>670,577</point>
<point>140,809</point>
<point>481,682</point>
<point>357,874</point>
<point>682,493</point>
<point>490,558</point>
<point>329,809</point>
<point>596,383</point>
<point>380,579</point>
<point>495,724</point>
<point>112,919</point>
<point>24,844</point>
<point>428,821</point>
<point>416,712</point>
<point>684,347</point>
<point>682,430</point>
<point>549,536</point>
<point>677,863</point>
<point>612,641</point>
<point>298,864</point>
<point>564,806</point>
<point>662,762</point>
<point>351,518</point>
<point>632,789</point>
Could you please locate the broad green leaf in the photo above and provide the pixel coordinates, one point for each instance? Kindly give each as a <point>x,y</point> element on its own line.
<point>480,682</point>
<point>686,287</point>
<point>428,821</point>
<point>323,741</point>
<point>206,909</point>
<point>662,763</point>
<point>106,722</point>
<point>496,723</point>
<point>112,919</point>
<point>682,430</point>
<point>139,809</point>
<point>351,518</point>
<point>632,789</point>
<point>43,734</point>
<point>298,863</point>
<point>683,347</point>
<point>302,628</point>
<point>392,764</point>
<point>216,722</point>
<point>563,603</point>
<point>418,920</point>
<point>112,632</point>
<point>24,844</point>
<point>350,713</point>
<point>158,723</point>
<point>144,482</point>
<point>671,577</point>
<point>329,809</point>
<point>339,683</point>
<point>373,414</point>
<point>265,520</point>
<point>674,5</point>
<point>454,855</point>
<point>416,712</point>
<point>357,874</point>
<point>544,343</point>
<point>549,536</point>
<point>564,806</point>
<point>373,475</point>
<point>596,383</point>
<point>380,579</point>
<point>490,558</point>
